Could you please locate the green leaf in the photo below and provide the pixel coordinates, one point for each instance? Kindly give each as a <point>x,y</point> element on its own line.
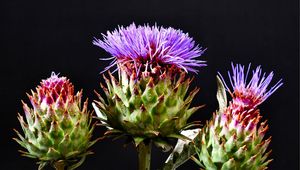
<point>98,112</point>
<point>221,95</point>
<point>112,132</point>
<point>180,136</point>
<point>183,150</point>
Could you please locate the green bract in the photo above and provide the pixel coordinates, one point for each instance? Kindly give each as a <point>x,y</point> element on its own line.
<point>147,108</point>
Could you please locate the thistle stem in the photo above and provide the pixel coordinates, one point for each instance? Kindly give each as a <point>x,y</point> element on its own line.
<point>144,155</point>
<point>59,165</point>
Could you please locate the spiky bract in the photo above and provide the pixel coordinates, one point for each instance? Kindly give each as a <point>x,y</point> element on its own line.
<point>227,145</point>
<point>155,109</point>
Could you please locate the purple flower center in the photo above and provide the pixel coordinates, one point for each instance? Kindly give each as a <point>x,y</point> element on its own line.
<point>252,92</point>
<point>142,48</point>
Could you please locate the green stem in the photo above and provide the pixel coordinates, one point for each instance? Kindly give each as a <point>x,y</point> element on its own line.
<point>144,155</point>
<point>59,165</point>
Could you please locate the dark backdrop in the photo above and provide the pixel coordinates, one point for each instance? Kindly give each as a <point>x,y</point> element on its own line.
<point>38,37</point>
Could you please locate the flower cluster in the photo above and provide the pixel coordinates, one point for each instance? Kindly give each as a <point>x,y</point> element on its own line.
<point>149,102</point>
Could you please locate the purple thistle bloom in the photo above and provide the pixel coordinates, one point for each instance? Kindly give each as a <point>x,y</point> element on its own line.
<point>146,47</point>
<point>253,92</point>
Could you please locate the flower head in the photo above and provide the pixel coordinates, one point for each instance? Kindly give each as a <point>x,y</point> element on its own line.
<point>58,127</point>
<point>252,92</point>
<point>153,48</point>
<point>234,137</point>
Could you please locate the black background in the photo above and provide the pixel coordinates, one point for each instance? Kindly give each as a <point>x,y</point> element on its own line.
<point>38,37</point>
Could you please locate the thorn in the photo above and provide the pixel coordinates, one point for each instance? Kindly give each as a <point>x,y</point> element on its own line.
<point>161,98</point>
<point>142,108</point>
<point>150,83</point>
<point>97,93</point>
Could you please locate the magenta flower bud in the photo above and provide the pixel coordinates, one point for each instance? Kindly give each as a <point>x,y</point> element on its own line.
<point>52,131</point>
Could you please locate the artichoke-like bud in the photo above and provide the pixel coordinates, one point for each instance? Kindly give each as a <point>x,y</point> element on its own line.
<point>148,108</point>
<point>149,100</point>
<point>57,130</point>
<point>234,137</point>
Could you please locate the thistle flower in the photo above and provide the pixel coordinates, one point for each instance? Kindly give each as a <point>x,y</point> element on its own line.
<point>255,91</point>
<point>57,131</point>
<point>148,102</point>
<point>234,137</point>
<point>151,50</point>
